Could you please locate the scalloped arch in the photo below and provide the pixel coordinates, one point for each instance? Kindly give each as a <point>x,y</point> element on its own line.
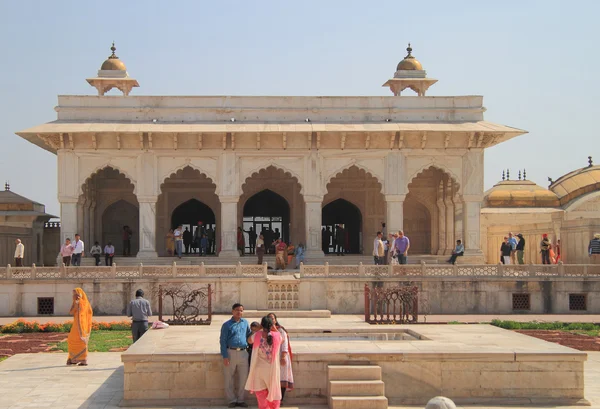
<point>180,167</point>
<point>348,166</point>
<point>100,168</point>
<point>434,165</point>
<point>275,165</point>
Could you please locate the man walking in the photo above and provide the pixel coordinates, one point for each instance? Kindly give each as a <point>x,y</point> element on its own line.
<point>19,253</point>
<point>594,249</point>
<point>520,249</point>
<point>513,245</point>
<point>78,251</point>
<point>233,342</point>
<point>401,246</point>
<point>378,250</point>
<point>139,310</point>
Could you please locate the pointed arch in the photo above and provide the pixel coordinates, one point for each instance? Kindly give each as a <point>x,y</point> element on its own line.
<point>270,166</point>
<point>434,165</point>
<point>173,171</point>
<point>356,164</point>
<point>111,167</point>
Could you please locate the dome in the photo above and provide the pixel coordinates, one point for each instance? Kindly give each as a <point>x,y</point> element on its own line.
<point>113,62</point>
<point>519,193</point>
<point>577,183</point>
<point>409,63</point>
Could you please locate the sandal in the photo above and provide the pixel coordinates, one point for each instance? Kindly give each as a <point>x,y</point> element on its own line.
<point>70,363</point>
<point>84,363</point>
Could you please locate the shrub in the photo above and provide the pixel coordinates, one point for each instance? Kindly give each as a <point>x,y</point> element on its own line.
<point>21,326</point>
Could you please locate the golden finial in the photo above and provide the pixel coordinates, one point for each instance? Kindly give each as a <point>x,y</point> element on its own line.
<point>409,50</point>
<point>113,49</point>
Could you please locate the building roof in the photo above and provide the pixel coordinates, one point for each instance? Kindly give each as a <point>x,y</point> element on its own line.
<point>8,197</point>
<point>519,193</point>
<point>576,183</point>
<point>12,204</point>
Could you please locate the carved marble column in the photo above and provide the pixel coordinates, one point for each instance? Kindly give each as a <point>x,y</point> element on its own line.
<point>458,218</point>
<point>394,220</point>
<point>228,226</point>
<point>472,225</point>
<point>441,244</point>
<point>449,205</point>
<point>147,227</point>
<point>68,218</point>
<point>312,221</point>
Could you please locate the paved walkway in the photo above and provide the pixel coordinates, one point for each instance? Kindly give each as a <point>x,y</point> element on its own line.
<point>43,381</point>
<point>427,319</point>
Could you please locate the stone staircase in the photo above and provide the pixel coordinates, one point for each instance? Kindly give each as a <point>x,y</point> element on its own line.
<point>356,387</point>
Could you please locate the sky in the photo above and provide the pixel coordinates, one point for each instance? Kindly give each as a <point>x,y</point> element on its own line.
<point>535,62</point>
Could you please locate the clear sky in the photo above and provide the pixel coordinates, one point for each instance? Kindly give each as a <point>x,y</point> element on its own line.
<point>535,62</point>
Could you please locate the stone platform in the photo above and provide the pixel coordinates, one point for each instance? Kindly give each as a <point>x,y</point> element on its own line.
<point>472,364</point>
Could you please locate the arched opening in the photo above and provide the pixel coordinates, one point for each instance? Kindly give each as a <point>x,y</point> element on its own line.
<point>187,198</point>
<point>341,212</point>
<point>114,218</point>
<point>431,210</point>
<point>268,213</point>
<point>363,191</point>
<point>106,205</point>
<point>271,200</point>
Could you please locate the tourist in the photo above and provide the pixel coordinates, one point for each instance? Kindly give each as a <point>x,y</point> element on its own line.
<point>78,251</point>
<point>299,255</point>
<point>557,257</point>
<point>265,373</point>
<point>505,250</point>
<point>66,251</point>
<point>241,241</point>
<point>513,244</point>
<point>458,251</point>
<point>203,245</point>
<point>545,247</point>
<point>254,328</point>
<point>260,248</point>
<point>594,249</point>
<point>391,253</point>
<point>328,237</point>
<point>79,336</point>
<point>286,373</point>
<point>386,249</point>
<point>109,253</point>
<point>277,235</point>
<point>187,240</point>
<point>96,252</point>
<point>210,235</point>
<point>139,310</point>
<point>170,242</point>
<point>291,251</point>
<point>340,240</point>
<point>19,253</point>
<point>252,239</point>
<point>520,249</point>
<point>268,237</point>
<point>401,247</point>
<point>178,238</point>
<point>280,254</point>
<point>198,235</point>
<point>378,249</point>
<point>233,345</point>
<point>127,233</point>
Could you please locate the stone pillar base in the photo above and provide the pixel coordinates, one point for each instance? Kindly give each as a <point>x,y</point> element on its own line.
<point>147,254</point>
<point>472,257</point>
<point>229,254</point>
<point>314,257</point>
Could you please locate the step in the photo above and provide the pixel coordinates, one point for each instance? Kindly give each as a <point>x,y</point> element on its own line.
<point>288,314</point>
<point>353,373</point>
<point>356,388</point>
<point>358,402</point>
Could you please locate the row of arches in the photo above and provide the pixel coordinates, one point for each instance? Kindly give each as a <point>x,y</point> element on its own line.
<point>271,200</point>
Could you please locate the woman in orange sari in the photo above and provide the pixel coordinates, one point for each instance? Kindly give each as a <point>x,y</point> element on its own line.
<point>80,331</point>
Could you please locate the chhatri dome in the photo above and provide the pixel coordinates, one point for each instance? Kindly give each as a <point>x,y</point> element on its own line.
<point>519,193</point>
<point>113,62</point>
<point>409,62</point>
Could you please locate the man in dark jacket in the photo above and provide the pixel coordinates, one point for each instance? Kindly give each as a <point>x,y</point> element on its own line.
<point>520,249</point>
<point>340,240</point>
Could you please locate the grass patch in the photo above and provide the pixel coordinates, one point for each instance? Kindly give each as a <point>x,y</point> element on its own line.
<point>577,327</point>
<point>102,341</point>
<point>3,358</point>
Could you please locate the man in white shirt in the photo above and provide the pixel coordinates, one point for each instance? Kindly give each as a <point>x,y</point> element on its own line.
<point>78,251</point>
<point>178,234</point>
<point>378,250</point>
<point>19,253</point>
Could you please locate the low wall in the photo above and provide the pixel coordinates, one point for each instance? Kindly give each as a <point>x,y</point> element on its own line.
<point>484,289</point>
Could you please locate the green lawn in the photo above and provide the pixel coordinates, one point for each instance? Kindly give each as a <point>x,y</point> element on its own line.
<point>3,358</point>
<point>584,328</point>
<point>103,341</point>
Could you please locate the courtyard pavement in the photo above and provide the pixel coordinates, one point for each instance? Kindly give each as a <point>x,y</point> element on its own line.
<point>43,381</point>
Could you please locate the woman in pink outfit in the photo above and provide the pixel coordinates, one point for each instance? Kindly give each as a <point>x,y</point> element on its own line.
<point>264,376</point>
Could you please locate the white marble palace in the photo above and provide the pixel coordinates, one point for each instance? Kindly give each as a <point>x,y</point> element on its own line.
<point>294,163</point>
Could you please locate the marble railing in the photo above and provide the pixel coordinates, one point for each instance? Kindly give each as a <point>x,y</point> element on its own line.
<point>306,271</point>
<point>450,271</point>
<point>139,271</point>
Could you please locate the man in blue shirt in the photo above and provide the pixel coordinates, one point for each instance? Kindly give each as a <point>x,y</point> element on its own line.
<point>513,245</point>
<point>234,341</point>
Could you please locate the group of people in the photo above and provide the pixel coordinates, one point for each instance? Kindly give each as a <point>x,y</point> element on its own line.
<point>512,250</point>
<point>338,238</point>
<point>391,249</point>
<point>71,252</point>
<point>267,237</point>
<point>259,356</point>
<point>202,241</point>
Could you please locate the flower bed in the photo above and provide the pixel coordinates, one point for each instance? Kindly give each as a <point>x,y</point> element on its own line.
<point>21,326</point>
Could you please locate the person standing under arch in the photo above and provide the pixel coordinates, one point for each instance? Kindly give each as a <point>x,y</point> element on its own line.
<point>340,240</point>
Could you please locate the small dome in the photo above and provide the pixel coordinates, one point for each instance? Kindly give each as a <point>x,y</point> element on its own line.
<point>577,183</point>
<point>113,62</point>
<point>409,63</point>
<point>519,193</point>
